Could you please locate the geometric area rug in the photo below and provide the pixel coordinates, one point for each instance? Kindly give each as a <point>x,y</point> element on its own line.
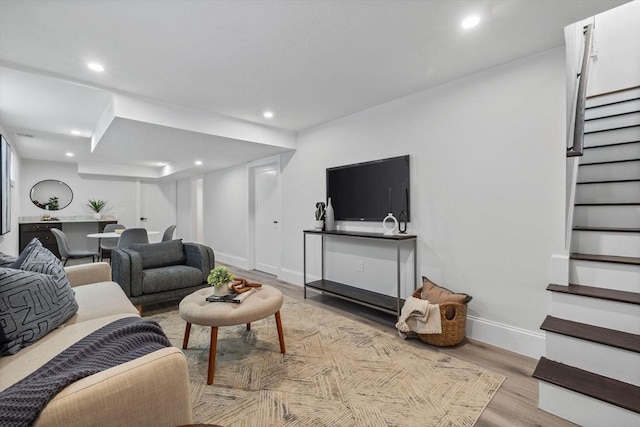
<point>336,372</point>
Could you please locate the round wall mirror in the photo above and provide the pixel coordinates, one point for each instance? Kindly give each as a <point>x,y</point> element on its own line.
<point>51,195</point>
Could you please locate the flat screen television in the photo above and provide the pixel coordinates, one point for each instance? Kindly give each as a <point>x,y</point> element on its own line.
<point>369,191</point>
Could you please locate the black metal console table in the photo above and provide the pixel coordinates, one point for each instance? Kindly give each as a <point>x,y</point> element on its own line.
<point>362,296</point>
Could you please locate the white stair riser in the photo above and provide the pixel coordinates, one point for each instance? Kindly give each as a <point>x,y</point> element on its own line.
<point>613,97</point>
<point>612,137</point>
<point>606,243</point>
<point>597,312</point>
<point>621,277</point>
<point>616,363</point>
<point>607,216</point>
<point>610,110</point>
<point>583,410</point>
<point>614,152</point>
<point>613,122</point>
<point>616,192</point>
<point>609,171</point>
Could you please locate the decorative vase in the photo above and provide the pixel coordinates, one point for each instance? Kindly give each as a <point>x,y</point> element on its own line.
<point>318,225</point>
<point>329,219</point>
<point>221,290</point>
<point>97,215</point>
<point>392,228</point>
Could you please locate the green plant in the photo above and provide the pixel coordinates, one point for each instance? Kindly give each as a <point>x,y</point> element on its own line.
<point>52,204</point>
<point>320,211</point>
<point>96,205</point>
<point>219,276</point>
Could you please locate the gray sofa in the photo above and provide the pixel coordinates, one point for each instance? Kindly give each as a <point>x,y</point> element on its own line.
<point>158,272</point>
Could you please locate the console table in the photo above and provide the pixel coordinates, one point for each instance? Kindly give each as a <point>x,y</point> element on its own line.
<point>42,230</point>
<point>371,299</point>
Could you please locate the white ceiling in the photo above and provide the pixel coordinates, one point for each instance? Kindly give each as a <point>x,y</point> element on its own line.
<point>307,61</point>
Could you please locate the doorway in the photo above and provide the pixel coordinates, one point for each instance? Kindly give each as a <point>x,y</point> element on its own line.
<point>264,216</point>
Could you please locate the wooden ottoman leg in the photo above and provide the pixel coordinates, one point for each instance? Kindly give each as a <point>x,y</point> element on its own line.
<point>280,333</point>
<point>248,326</point>
<point>187,331</point>
<point>212,354</point>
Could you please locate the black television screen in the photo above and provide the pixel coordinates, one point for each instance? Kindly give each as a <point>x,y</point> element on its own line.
<point>369,191</point>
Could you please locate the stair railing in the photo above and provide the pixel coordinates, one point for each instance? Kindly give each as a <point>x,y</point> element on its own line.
<point>581,96</point>
<point>576,132</point>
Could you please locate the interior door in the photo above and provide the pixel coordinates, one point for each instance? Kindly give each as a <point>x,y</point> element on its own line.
<point>157,207</point>
<point>267,213</point>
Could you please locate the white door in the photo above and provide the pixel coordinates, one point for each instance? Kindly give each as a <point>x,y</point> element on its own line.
<point>267,213</point>
<point>157,207</point>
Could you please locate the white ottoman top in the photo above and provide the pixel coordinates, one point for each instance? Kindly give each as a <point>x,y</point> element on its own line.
<point>264,302</point>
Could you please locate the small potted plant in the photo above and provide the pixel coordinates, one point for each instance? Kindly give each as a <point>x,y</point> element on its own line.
<point>96,206</point>
<point>219,278</point>
<point>320,213</point>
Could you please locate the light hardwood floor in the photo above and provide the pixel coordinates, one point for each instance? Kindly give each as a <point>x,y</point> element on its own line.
<point>515,404</point>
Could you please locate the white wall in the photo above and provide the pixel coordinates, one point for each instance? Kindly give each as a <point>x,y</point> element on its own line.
<point>120,195</point>
<point>226,214</point>
<point>9,242</point>
<point>487,174</point>
<point>617,60</point>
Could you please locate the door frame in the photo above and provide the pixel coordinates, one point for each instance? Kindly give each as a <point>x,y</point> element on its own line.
<point>251,226</point>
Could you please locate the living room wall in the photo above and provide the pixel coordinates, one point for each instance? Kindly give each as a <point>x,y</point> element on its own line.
<point>487,191</point>
<point>487,186</point>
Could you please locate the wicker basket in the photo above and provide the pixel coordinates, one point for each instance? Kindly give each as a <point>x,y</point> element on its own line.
<point>453,330</point>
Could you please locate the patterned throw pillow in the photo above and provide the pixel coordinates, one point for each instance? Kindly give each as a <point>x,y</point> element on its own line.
<point>34,300</point>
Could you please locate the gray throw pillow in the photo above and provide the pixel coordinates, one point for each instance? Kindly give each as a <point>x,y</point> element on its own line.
<point>34,243</point>
<point>34,300</point>
<point>161,254</point>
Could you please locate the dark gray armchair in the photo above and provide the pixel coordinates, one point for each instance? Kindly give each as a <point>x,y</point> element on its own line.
<point>158,272</point>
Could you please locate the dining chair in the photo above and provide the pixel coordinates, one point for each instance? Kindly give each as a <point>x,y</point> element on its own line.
<point>168,233</point>
<point>132,235</point>
<point>66,252</point>
<point>106,244</point>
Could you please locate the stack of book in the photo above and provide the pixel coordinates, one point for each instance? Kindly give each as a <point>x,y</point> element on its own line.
<point>232,296</point>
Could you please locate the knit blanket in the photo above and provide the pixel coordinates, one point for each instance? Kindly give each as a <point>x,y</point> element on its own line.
<point>116,343</point>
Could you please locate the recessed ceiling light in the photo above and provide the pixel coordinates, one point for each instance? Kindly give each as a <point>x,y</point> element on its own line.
<point>69,154</point>
<point>470,21</point>
<point>162,164</point>
<point>268,115</point>
<point>95,67</point>
<point>198,162</point>
<point>75,132</point>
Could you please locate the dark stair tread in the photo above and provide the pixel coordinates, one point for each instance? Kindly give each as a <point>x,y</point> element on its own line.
<point>607,258</point>
<point>595,292</point>
<point>599,387</point>
<point>611,145</point>
<point>610,115</point>
<point>622,101</point>
<point>609,181</point>
<point>609,204</point>
<point>597,334</point>
<point>610,129</point>
<point>614,229</point>
<point>608,162</point>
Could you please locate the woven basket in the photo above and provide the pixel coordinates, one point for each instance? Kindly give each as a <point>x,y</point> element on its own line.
<point>453,330</point>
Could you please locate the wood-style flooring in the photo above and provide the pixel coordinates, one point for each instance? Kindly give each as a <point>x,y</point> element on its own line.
<point>515,404</point>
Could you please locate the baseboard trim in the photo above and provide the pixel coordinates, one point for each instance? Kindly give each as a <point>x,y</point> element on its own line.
<point>233,260</point>
<point>518,340</point>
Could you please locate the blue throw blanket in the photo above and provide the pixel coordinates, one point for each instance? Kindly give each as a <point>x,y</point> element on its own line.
<point>116,343</point>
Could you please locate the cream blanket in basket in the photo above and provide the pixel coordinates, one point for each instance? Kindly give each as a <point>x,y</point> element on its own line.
<point>419,316</point>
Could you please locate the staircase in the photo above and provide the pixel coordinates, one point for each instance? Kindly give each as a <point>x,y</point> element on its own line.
<point>591,372</point>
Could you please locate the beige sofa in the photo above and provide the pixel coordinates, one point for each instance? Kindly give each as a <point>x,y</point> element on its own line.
<point>152,390</point>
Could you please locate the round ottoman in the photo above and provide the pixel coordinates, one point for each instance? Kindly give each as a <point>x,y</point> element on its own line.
<point>195,309</point>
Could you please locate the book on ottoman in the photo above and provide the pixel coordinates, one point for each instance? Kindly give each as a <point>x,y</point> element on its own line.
<point>231,297</point>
